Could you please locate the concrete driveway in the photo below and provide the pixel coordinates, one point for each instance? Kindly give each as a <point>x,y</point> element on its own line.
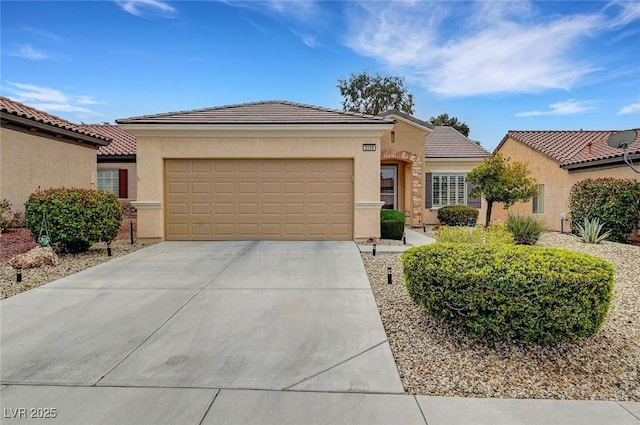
<point>153,336</point>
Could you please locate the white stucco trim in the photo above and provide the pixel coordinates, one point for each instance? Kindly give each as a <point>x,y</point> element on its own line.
<point>258,130</point>
<point>368,205</point>
<point>147,205</point>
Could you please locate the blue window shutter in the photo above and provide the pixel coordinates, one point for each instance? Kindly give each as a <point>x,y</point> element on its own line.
<point>472,202</point>
<point>428,199</point>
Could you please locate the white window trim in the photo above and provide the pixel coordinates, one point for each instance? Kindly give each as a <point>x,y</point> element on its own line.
<point>436,206</point>
<point>544,203</point>
<point>116,179</point>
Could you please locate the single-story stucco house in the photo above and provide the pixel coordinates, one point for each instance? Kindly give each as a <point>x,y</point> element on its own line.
<point>116,162</point>
<point>283,170</point>
<point>38,149</point>
<point>558,160</point>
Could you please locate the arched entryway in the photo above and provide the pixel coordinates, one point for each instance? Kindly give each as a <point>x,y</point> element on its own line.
<point>401,183</point>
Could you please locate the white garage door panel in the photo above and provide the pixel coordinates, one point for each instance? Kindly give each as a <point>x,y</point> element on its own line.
<point>259,199</point>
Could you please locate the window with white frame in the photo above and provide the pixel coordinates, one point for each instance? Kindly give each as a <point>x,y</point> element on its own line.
<point>108,181</point>
<point>449,189</point>
<point>537,201</point>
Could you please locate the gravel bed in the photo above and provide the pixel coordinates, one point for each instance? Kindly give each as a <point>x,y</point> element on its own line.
<point>383,242</point>
<point>434,358</point>
<point>67,264</point>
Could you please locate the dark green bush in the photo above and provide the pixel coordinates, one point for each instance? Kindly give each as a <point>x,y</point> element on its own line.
<point>511,292</point>
<point>391,224</point>
<point>615,202</point>
<point>457,215</point>
<point>526,230</point>
<point>77,218</point>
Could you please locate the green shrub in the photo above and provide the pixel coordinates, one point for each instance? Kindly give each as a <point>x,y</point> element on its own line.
<point>493,234</point>
<point>457,215</point>
<point>391,224</point>
<point>510,292</point>
<point>525,230</point>
<point>75,218</point>
<point>616,202</point>
<point>9,218</point>
<point>590,232</point>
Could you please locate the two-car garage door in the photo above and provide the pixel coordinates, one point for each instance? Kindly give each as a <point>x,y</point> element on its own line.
<point>246,199</point>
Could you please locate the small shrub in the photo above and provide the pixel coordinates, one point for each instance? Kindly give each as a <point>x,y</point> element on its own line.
<point>75,218</point>
<point>457,215</point>
<point>492,234</point>
<point>616,202</point>
<point>525,230</point>
<point>9,218</point>
<point>590,232</point>
<point>513,293</point>
<point>391,224</point>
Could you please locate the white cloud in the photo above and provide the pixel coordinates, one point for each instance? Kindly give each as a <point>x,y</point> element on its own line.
<point>630,109</point>
<point>50,100</point>
<point>568,107</point>
<point>30,53</point>
<point>487,47</point>
<point>302,10</point>
<point>309,40</point>
<point>143,7</point>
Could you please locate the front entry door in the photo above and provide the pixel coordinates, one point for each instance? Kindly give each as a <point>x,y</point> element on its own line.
<point>389,186</point>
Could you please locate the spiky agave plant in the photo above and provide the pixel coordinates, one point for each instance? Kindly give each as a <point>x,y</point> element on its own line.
<point>590,232</point>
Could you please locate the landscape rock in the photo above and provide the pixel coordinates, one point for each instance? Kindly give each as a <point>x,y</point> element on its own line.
<point>37,257</point>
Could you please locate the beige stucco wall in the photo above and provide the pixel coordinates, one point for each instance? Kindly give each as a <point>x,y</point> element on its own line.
<point>456,165</point>
<point>405,148</point>
<point>132,178</point>
<point>153,147</point>
<point>28,161</point>
<point>557,184</point>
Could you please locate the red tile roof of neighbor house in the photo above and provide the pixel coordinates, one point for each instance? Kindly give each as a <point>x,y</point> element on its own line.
<point>17,109</point>
<point>572,147</point>
<point>447,142</point>
<point>122,142</point>
<point>267,112</point>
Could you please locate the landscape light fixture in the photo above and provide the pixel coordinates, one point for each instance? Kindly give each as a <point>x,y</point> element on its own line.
<point>622,140</point>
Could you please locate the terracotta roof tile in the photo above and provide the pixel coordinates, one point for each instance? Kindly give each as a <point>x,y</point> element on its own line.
<point>447,142</point>
<point>571,147</point>
<point>122,142</point>
<point>12,107</point>
<point>267,112</point>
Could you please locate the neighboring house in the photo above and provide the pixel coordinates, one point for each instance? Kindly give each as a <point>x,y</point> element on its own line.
<point>424,168</point>
<point>41,150</point>
<point>117,161</point>
<point>263,170</point>
<point>558,160</point>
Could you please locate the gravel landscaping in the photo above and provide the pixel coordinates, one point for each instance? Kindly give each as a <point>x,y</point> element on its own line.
<point>434,358</point>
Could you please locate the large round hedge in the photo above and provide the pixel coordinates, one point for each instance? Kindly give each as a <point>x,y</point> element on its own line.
<point>505,292</point>
<point>74,219</point>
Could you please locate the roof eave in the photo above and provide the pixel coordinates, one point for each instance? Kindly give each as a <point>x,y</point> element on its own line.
<point>52,131</point>
<point>605,162</point>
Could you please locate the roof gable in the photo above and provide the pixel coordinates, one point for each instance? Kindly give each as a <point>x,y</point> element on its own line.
<point>267,112</point>
<point>447,142</point>
<point>122,143</point>
<point>569,148</point>
<point>24,116</point>
<point>394,113</point>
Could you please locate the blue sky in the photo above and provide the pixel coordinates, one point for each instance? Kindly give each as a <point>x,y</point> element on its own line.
<point>497,65</point>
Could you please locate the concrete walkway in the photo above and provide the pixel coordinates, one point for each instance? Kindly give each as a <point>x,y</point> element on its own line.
<point>228,333</point>
<point>412,237</point>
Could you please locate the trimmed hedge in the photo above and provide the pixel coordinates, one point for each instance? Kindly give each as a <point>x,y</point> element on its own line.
<point>511,292</point>
<point>391,224</point>
<point>616,202</point>
<point>496,233</point>
<point>77,218</point>
<point>457,215</point>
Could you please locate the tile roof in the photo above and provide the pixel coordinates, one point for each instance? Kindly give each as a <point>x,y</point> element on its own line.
<point>572,147</point>
<point>267,112</point>
<point>17,109</point>
<point>122,142</point>
<point>447,142</point>
<point>406,117</point>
